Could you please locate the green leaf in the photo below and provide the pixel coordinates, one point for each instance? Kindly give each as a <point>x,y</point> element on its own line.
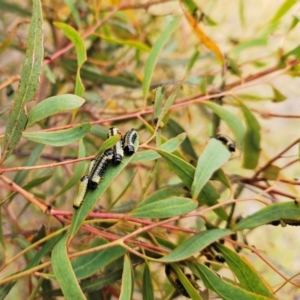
<point>233,122</point>
<point>194,294</point>
<point>251,145</point>
<point>92,197</point>
<point>126,289</point>
<point>271,173</point>
<point>87,265</point>
<point>153,56</point>
<point>163,193</point>
<point>64,273</point>
<point>165,208</point>
<point>29,82</point>
<point>224,289</point>
<point>52,106</point>
<point>59,138</point>
<point>278,96</point>
<point>248,277</point>
<point>77,174</point>
<point>76,39</point>
<point>213,157</point>
<point>168,104</point>
<point>148,293</point>
<point>195,244</point>
<point>47,247</point>
<point>15,8</point>
<point>283,9</point>
<point>158,101</point>
<point>273,212</point>
<point>255,42</point>
<point>169,146</point>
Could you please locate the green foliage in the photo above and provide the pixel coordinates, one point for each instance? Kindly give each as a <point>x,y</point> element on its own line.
<point>178,73</point>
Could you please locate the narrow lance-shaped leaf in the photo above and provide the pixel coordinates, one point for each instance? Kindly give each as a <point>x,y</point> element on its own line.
<point>126,289</point>
<point>52,106</point>
<point>153,56</point>
<point>248,277</point>
<point>273,212</point>
<point>29,82</point>
<point>283,9</point>
<point>194,244</point>
<point>213,157</point>
<point>233,122</point>
<point>224,289</point>
<point>165,208</point>
<point>148,293</point>
<point>251,143</point>
<point>76,39</point>
<point>59,138</point>
<point>64,273</point>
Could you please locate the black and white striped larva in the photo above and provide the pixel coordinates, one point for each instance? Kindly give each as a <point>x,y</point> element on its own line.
<point>129,140</point>
<point>118,147</point>
<point>81,191</point>
<point>98,168</point>
<point>227,141</point>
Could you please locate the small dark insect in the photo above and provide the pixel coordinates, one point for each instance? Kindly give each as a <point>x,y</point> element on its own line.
<point>81,191</point>
<point>118,147</point>
<point>177,284</point>
<point>98,168</point>
<point>227,141</point>
<point>129,140</point>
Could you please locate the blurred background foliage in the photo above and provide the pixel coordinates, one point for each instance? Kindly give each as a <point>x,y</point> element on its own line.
<point>242,56</point>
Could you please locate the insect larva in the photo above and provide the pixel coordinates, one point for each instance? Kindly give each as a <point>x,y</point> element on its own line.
<point>118,147</point>
<point>227,141</point>
<point>129,140</point>
<point>173,278</point>
<point>99,167</point>
<point>81,191</point>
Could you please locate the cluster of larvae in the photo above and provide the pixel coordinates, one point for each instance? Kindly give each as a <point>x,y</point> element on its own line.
<point>100,163</point>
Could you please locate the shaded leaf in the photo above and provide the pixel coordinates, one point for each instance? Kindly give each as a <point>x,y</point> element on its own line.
<point>155,51</point>
<point>165,208</point>
<point>251,145</point>
<point>64,273</point>
<point>126,289</point>
<point>194,244</point>
<point>271,173</point>
<point>273,212</point>
<point>59,138</point>
<point>213,157</point>
<point>248,277</point>
<point>278,96</point>
<point>148,293</point>
<point>29,82</point>
<point>52,106</point>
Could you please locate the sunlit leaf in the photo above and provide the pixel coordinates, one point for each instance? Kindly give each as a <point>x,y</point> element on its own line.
<point>165,208</point>
<point>273,212</point>
<point>52,106</point>
<point>59,138</point>
<point>248,277</point>
<point>212,158</point>
<point>64,273</point>
<point>126,289</point>
<point>283,9</point>
<point>29,82</point>
<point>194,244</point>
<point>154,53</point>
